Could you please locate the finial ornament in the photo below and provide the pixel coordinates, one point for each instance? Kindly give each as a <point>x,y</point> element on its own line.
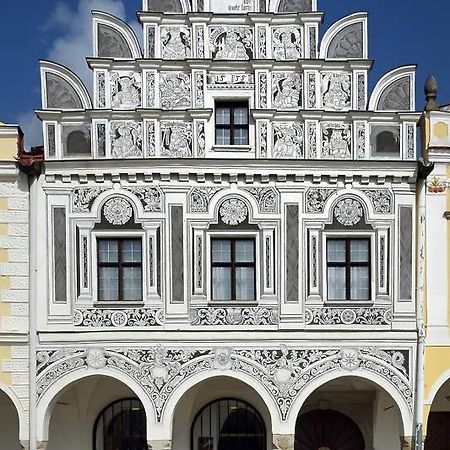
<point>431,90</point>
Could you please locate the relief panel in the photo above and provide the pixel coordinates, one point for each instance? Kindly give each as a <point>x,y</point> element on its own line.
<point>176,139</point>
<point>287,90</point>
<point>288,140</point>
<point>287,43</point>
<point>126,89</point>
<point>233,43</point>
<point>336,140</point>
<point>176,43</point>
<point>126,139</point>
<point>336,90</point>
<point>175,90</point>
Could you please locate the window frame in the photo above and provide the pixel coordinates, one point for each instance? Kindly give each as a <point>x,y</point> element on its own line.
<point>231,104</point>
<point>95,264</point>
<point>237,236</point>
<point>372,264</point>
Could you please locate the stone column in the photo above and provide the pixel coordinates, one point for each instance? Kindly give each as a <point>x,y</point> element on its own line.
<point>159,445</point>
<point>407,442</point>
<point>283,441</point>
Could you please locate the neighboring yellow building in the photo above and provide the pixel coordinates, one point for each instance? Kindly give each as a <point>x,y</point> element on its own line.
<point>436,144</point>
<point>14,277</point>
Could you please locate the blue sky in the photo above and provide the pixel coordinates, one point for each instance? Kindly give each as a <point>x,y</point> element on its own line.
<point>400,32</point>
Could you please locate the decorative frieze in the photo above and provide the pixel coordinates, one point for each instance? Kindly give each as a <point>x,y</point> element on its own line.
<point>126,139</point>
<point>287,43</point>
<point>151,138</point>
<point>101,89</point>
<point>151,89</point>
<point>175,90</point>
<point>361,140</point>
<point>176,139</point>
<point>234,316</point>
<point>348,316</point>
<point>201,138</point>
<point>199,84</point>
<point>118,318</point>
<point>83,198</point>
<point>288,140</point>
<point>151,198</point>
<point>312,140</point>
<point>262,82</point>
<point>263,137</point>
<point>287,90</point>
<point>382,200</point>
<point>312,90</point>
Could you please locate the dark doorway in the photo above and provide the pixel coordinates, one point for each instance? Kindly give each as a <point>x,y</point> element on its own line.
<point>438,432</point>
<point>327,430</point>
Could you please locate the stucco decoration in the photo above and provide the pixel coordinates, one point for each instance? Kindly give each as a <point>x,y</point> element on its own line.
<point>267,198</point>
<point>336,90</point>
<point>396,96</point>
<point>382,200</point>
<point>164,6</point>
<point>233,43</point>
<point>200,198</point>
<point>287,43</point>
<point>126,139</point>
<point>118,318</point>
<point>316,198</point>
<point>295,6</point>
<point>111,43</point>
<point>348,316</point>
<point>176,43</point>
<point>96,358</point>
<point>61,94</point>
<point>175,90</point>
<point>288,140</point>
<point>348,212</point>
<point>83,198</point>
<point>117,211</point>
<point>233,211</point>
<point>348,43</point>
<point>336,140</point>
<point>176,139</point>
<point>234,316</point>
<point>283,372</point>
<point>151,198</point>
<point>287,89</point>
<point>126,88</point>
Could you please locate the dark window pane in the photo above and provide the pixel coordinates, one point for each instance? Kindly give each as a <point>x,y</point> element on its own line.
<point>336,283</point>
<point>245,250</point>
<point>241,136</point>
<point>360,283</point>
<point>223,136</point>
<point>132,283</point>
<point>221,250</point>
<point>245,283</point>
<point>131,251</point>
<point>336,251</point>
<point>221,283</point>
<point>108,284</point>
<point>359,251</point>
<point>223,116</point>
<point>108,251</point>
<point>241,116</point>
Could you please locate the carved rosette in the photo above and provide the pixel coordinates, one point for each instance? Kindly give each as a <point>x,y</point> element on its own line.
<point>233,211</point>
<point>117,211</point>
<point>348,212</point>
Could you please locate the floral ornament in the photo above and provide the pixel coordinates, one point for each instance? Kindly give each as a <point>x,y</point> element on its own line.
<point>350,359</point>
<point>222,358</point>
<point>233,211</point>
<point>96,358</point>
<point>437,186</point>
<point>348,212</point>
<point>117,211</point>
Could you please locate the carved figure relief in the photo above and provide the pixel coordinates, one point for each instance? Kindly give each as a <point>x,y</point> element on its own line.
<point>126,139</point>
<point>175,42</point>
<point>288,140</point>
<point>176,139</point>
<point>175,90</point>
<point>287,43</point>
<point>126,90</point>
<point>336,90</point>
<point>234,43</point>
<point>336,140</point>
<point>287,90</point>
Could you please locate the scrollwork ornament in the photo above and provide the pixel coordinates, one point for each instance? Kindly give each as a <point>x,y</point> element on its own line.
<point>381,200</point>
<point>233,211</point>
<point>117,211</point>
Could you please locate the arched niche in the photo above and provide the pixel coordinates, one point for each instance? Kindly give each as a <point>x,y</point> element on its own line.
<point>395,91</point>
<point>113,38</point>
<point>294,6</point>
<point>62,89</point>
<point>13,427</point>
<point>166,6</point>
<point>346,39</point>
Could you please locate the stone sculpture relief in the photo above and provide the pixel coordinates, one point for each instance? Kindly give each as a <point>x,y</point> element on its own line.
<point>288,140</point>
<point>336,90</point>
<point>336,140</point>
<point>176,139</point>
<point>348,212</point>
<point>111,43</point>
<point>287,90</point>
<point>234,43</point>
<point>126,139</point>
<point>126,88</point>
<point>117,211</point>
<point>287,43</point>
<point>233,211</point>
<point>176,42</point>
<point>175,90</point>
<point>235,316</point>
<point>348,43</point>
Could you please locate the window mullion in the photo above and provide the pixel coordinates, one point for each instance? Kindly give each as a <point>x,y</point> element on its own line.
<point>348,270</point>
<point>233,269</point>
<point>120,267</point>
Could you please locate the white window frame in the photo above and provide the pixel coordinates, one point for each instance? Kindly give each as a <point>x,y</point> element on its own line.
<point>119,235</point>
<point>239,234</point>
<point>373,265</point>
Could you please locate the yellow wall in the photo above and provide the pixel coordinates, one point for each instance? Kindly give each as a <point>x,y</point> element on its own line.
<point>5,353</point>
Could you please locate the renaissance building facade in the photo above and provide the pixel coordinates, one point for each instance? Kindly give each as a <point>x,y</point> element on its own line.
<point>224,237</point>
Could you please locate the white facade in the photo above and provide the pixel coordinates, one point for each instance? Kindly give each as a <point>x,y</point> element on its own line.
<point>142,161</point>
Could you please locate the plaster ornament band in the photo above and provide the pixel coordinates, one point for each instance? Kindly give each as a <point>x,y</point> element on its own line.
<point>233,211</point>
<point>234,316</point>
<point>118,318</point>
<point>348,212</point>
<point>348,316</point>
<point>117,211</point>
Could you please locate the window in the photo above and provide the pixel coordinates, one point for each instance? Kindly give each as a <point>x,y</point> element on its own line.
<point>232,123</point>
<point>385,141</point>
<point>119,264</point>
<point>233,269</point>
<point>348,269</point>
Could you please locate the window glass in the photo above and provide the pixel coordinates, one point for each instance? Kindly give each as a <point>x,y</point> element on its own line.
<point>131,251</point>
<point>132,283</point>
<point>336,283</point>
<point>223,136</point>
<point>232,123</point>
<point>108,283</point>
<point>221,250</point>
<point>222,283</point>
<point>241,116</point>
<point>108,251</point>
<point>241,136</point>
<point>359,283</point>
<point>359,250</point>
<point>245,283</point>
<point>223,116</point>
<point>245,250</point>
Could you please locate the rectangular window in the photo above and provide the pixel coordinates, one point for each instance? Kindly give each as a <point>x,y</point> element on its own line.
<point>232,123</point>
<point>348,269</point>
<point>233,269</point>
<point>119,263</point>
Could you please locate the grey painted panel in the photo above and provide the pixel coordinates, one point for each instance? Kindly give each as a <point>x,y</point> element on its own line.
<point>292,252</point>
<point>397,96</point>
<point>165,6</point>
<point>60,94</point>
<point>177,238</point>
<point>295,6</point>
<point>348,43</point>
<point>60,250</point>
<point>406,238</point>
<point>111,43</point>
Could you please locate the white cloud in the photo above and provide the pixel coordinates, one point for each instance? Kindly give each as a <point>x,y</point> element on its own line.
<point>32,127</point>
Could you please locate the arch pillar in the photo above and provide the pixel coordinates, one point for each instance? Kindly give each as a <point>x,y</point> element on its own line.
<point>283,441</point>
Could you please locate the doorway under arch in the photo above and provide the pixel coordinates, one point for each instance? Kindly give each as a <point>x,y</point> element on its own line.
<point>9,424</point>
<point>438,428</point>
<point>228,424</point>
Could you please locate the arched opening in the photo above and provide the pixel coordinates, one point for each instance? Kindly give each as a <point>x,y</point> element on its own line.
<point>349,413</point>
<point>327,429</point>
<point>121,425</point>
<point>9,424</point>
<point>97,413</point>
<point>438,428</point>
<point>227,424</point>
